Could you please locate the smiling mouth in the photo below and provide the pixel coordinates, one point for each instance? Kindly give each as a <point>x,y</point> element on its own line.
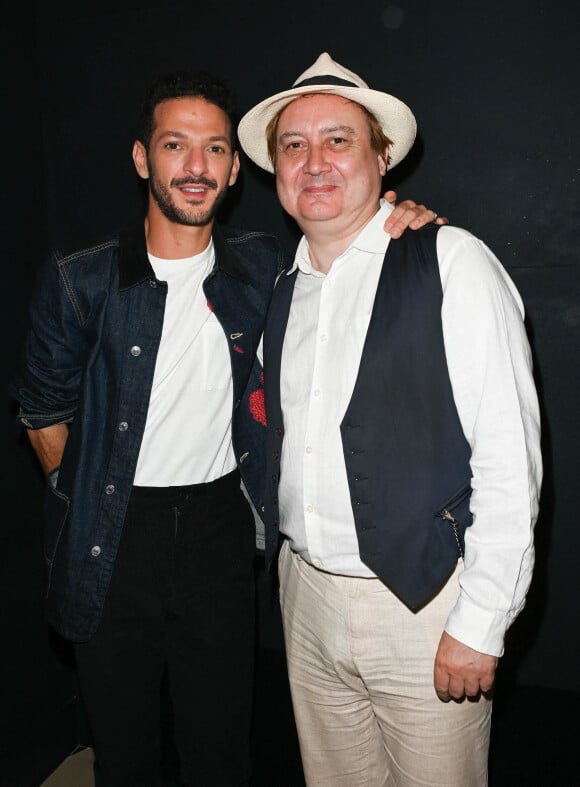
<point>314,190</point>
<point>195,188</point>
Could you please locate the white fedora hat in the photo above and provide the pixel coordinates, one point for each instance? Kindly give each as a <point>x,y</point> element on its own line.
<point>327,76</point>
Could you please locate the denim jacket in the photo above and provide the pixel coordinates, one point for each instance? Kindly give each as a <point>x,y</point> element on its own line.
<point>96,320</point>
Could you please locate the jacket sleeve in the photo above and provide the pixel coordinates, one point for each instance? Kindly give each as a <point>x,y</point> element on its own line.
<point>48,381</point>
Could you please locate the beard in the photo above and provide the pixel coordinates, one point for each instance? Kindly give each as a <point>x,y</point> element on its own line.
<point>191,217</point>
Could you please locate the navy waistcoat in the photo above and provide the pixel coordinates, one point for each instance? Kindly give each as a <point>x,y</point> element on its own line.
<point>406,457</point>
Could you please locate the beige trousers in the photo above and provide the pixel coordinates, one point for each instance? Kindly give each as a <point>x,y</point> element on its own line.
<point>360,665</point>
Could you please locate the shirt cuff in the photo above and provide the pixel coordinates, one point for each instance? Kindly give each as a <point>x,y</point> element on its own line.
<point>481,629</point>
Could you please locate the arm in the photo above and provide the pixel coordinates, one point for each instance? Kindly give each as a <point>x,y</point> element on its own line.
<point>47,384</point>
<point>49,377</point>
<point>408,214</point>
<point>48,445</point>
<point>490,369</point>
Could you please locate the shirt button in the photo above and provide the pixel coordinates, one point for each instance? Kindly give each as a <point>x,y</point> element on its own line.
<point>96,551</point>
<point>123,426</point>
<point>135,350</point>
<point>323,337</point>
<point>308,449</point>
<point>317,392</point>
<point>310,508</point>
<point>109,489</point>
<point>317,564</point>
<point>152,283</point>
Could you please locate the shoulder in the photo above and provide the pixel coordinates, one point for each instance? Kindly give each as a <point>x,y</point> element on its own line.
<point>469,267</point>
<point>80,273</point>
<point>459,249</point>
<point>261,251</point>
<point>96,251</point>
<point>240,239</point>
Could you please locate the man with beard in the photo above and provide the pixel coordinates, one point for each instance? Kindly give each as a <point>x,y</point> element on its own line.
<point>136,364</point>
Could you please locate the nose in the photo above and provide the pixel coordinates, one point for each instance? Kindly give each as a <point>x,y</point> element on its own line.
<point>195,162</point>
<point>316,161</point>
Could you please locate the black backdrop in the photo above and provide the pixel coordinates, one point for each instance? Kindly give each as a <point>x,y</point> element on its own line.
<point>494,87</point>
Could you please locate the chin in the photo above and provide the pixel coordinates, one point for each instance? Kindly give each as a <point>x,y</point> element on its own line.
<point>319,215</point>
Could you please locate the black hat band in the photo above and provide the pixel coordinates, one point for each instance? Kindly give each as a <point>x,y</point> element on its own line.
<point>325,80</point>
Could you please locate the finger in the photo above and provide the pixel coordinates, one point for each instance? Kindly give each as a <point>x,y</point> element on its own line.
<point>423,216</point>
<point>472,687</point>
<point>390,196</point>
<point>412,219</point>
<point>486,681</point>
<point>457,687</point>
<point>441,682</point>
<point>405,214</point>
<point>441,220</point>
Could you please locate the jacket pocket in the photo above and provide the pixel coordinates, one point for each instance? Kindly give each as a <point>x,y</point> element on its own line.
<point>456,515</point>
<point>56,509</point>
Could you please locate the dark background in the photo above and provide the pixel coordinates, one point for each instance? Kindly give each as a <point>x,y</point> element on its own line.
<point>494,87</point>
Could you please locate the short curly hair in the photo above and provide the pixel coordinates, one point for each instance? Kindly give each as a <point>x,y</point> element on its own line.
<point>187,84</point>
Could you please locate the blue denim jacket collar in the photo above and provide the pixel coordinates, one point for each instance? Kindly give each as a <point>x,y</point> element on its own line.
<point>134,265</point>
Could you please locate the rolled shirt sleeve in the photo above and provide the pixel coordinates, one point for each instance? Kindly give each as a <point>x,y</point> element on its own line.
<point>490,369</point>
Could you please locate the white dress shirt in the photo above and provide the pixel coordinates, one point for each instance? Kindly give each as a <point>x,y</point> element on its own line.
<point>188,434</point>
<point>490,371</point>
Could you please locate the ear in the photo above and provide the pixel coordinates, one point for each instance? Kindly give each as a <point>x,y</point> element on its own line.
<point>140,159</point>
<point>235,168</point>
<point>383,159</point>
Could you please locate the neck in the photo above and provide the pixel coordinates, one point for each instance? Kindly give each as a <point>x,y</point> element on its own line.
<point>327,240</point>
<point>172,241</point>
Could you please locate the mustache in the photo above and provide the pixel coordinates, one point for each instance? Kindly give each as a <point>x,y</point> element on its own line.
<point>179,182</point>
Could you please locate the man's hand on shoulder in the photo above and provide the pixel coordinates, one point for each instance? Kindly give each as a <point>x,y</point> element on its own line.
<point>408,214</point>
<point>461,671</point>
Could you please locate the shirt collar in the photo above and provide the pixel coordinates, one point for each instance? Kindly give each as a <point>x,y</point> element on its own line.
<point>372,239</point>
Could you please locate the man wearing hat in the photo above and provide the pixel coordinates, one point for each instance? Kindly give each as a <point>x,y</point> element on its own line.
<point>403,451</point>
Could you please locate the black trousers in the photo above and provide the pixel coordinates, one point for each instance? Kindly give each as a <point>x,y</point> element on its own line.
<point>181,599</point>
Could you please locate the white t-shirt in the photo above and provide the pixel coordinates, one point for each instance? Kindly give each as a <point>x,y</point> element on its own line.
<point>188,436</point>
